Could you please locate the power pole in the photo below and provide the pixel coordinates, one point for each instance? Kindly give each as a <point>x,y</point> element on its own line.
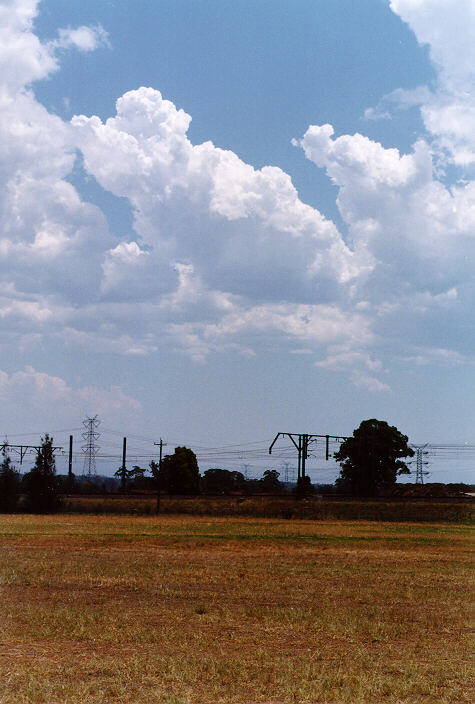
<point>159,479</point>
<point>301,441</point>
<point>22,450</point>
<point>90,448</point>
<point>70,459</point>
<point>70,465</point>
<point>246,471</point>
<point>124,469</point>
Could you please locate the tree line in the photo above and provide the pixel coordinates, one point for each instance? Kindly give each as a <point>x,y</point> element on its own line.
<point>370,460</point>
<point>42,488</point>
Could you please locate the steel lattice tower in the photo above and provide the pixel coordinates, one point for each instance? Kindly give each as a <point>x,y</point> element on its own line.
<point>286,471</point>
<point>90,448</point>
<point>420,452</point>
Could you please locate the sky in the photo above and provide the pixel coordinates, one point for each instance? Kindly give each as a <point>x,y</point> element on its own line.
<point>223,220</point>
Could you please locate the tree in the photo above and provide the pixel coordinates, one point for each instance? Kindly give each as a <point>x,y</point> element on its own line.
<point>9,485</point>
<point>372,458</point>
<point>216,481</point>
<point>270,481</point>
<point>67,484</point>
<point>180,473</point>
<point>303,488</point>
<point>132,478</point>
<point>40,483</point>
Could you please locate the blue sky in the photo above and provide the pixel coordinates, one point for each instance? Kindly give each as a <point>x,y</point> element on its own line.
<point>223,220</point>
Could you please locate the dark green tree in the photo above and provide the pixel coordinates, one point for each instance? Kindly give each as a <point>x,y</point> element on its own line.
<point>373,457</point>
<point>39,484</point>
<point>155,472</point>
<point>304,488</point>
<point>133,479</point>
<point>9,485</point>
<point>270,481</point>
<point>216,481</point>
<point>66,484</point>
<point>180,473</point>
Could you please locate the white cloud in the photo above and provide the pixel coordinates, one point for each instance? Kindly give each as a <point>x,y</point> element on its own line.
<point>275,325</point>
<point>343,359</point>
<point>51,400</point>
<point>243,229</point>
<point>439,356</point>
<point>226,257</point>
<point>51,242</point>
<point>448,110</point>
<point>418,234</point>
<point>398,99</point>
<point>81,38</point>
<point>23,57</point>
<point>448,29</point>
<point>368,382</point>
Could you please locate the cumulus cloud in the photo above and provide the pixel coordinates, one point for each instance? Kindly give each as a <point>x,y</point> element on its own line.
<point>448,108</point>
<point>51,241</point>
<point>223,257</point>
<point>237,225</point>
<point>239,239</point>
<point>23,57</point>
<point>51,397</point>
<point>417,232</point>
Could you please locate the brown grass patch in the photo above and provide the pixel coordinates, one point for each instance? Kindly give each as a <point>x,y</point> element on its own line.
<point>196,610</point>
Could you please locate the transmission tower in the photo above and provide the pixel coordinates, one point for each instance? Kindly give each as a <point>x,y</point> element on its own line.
<point>90,448</point>
<point>286,471</point>
<point>420,473</point>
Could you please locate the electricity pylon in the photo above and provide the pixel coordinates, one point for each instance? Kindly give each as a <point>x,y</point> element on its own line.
<point>420,473</point>
<point>90,448</point>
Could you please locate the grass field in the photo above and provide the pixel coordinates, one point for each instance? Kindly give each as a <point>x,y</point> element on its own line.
<point>194,610</point>
<point>449,511</point>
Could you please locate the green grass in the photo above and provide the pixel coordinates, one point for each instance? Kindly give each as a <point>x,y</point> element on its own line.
<point>200,610</point>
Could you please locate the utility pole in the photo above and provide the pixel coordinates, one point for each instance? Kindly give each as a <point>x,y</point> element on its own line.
<point>301,441</point>
<point>70,465</point>
<point>124,470</point>
<point>159,478</point>
<point>70,459</point>
<point>22,450</point>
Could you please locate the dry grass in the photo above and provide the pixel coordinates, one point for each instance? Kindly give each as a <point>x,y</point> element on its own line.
<point>448,511</point>
<point>195,610</point>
